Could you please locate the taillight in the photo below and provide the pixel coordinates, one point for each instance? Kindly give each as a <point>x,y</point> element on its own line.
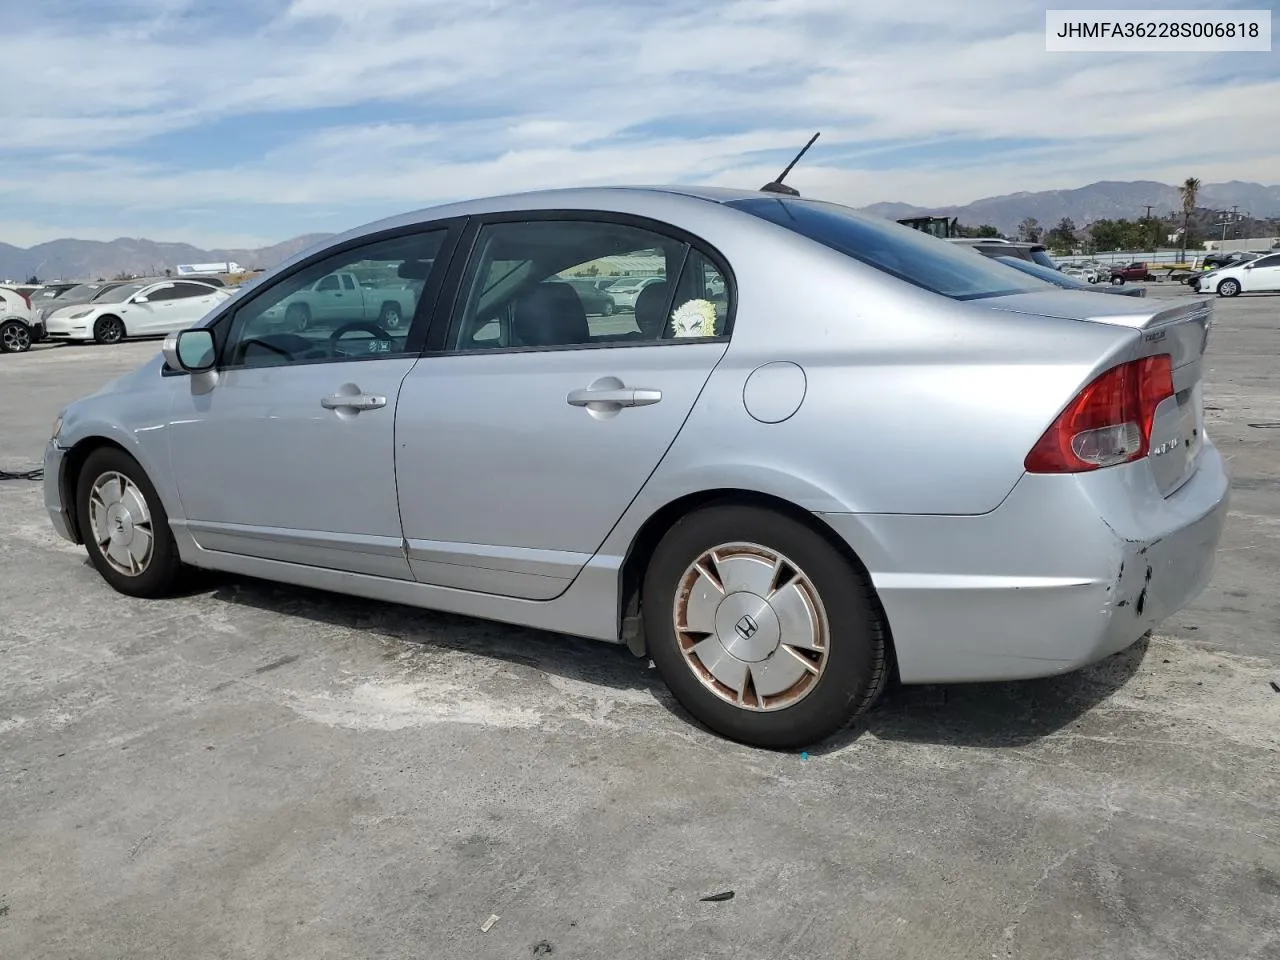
<point>1109,421</point>
<point>25,298</point>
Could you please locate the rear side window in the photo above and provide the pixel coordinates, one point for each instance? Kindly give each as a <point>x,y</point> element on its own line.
<point>899,251</point>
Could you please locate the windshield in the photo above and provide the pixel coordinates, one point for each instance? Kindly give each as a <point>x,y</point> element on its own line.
<point>910,255</point>
<point>121,293</point>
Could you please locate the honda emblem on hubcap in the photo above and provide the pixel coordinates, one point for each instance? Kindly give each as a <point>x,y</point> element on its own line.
<point>746,627</point>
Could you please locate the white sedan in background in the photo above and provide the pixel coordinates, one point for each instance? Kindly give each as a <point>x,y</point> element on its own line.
<point>146,308</point>
<point>1256,276</point>
<point>626,290</point>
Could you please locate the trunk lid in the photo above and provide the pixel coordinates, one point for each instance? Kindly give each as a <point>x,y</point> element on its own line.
<point>1179,328</point>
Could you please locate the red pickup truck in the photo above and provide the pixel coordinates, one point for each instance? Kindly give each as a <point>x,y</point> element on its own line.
<point>1134,271</point>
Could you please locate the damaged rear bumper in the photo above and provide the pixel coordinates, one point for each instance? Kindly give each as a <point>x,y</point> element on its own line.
<point>1068,570</point>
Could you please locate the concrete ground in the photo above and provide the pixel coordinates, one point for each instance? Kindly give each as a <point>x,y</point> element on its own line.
<point>263,771</point>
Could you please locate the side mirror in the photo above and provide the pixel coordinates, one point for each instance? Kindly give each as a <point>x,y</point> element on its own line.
<point>190,350</point>
<point>139,299</point>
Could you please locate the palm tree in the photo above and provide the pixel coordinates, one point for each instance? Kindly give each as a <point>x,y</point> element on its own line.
<point>1190,187</point>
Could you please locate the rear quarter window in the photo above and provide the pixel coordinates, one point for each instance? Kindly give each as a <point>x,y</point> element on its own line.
<point>910,255</point>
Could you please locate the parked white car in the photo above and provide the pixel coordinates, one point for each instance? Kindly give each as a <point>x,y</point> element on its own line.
<point>625,291</point>
<point>17,330</point>
<point>147,308</point>
<point>1256,276</point>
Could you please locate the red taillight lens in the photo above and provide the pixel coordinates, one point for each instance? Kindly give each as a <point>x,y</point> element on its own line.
<point>26,299</point>
<point>1109,421</point>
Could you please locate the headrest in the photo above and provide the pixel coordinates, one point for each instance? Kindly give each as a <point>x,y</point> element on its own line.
<point>549,315</point>
<point>651,309</point>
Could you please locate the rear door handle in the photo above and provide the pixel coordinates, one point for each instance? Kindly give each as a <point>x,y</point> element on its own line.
<point>618,397</point>
<point>350,401</point>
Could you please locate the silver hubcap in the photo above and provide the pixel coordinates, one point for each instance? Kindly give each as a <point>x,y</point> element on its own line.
<point>751,626</point>
<point>121,523</point>
<point>16,338</point>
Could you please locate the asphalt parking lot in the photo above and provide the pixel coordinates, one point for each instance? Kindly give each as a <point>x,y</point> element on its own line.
<point>263,771</point>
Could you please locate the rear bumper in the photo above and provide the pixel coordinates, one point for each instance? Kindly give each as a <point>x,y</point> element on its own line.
<point>58,515</point>
<point>1068,570</point>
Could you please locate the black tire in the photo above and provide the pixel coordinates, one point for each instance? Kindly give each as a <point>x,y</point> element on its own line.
<point>15,337</point>
<point>1119,280</point>
<point>1229,288</point>
<point>108,329</point>
<point>391,316</point>
<point>297,317</point>
<point>856,666</point>
<point>163,571</point>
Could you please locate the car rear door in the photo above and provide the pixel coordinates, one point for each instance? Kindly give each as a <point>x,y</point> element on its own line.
<point>526,431</point>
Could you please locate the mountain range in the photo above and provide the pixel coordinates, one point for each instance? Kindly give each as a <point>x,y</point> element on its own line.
<point>90,259</point>
<point>1106,199</point>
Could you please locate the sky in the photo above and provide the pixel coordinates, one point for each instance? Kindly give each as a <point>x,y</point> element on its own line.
<point>247,122</point>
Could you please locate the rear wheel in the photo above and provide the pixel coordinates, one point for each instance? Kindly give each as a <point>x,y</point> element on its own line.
<point>1229,288</point>
<point>108,329</point>
<point>761,628</point>
<point>124,526</point>
<point>391,316</point>
<point>15,337</point>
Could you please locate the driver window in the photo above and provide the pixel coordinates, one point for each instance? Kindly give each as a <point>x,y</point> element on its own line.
<point>289,321</point>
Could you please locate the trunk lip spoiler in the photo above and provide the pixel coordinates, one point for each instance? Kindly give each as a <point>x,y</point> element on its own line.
<point>1154,316</point>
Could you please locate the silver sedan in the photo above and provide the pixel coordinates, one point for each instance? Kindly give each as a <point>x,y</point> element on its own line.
<point>824,450</point>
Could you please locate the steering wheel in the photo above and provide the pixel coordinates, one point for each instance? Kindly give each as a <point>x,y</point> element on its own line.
<point>367,326</point>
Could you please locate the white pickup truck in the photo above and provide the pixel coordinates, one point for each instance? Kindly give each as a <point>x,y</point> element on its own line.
<point>339,298</point>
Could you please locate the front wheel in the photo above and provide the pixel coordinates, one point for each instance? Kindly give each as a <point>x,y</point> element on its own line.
<point>762,630</point>
<point>124,525</point>
<point>108,329</point>
<point>1119,280</point>
<point>1229,288</point>
<point>15,337</point>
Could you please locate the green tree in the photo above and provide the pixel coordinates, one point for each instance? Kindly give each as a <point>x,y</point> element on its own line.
<point>1062,238</point>
<point>1030,230</point>
<point>33,279</point>
<point>1190,189</point>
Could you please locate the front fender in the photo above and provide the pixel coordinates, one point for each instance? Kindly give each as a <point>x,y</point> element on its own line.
<point>148,444</point>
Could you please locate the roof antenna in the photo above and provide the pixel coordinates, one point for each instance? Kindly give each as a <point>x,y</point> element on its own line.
<point>777,186</point>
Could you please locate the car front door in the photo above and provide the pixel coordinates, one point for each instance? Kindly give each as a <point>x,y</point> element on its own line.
<point>330,304</point>
<point>290,455</point>
<point>178,305</point>
<point>1262,275</point>
<point>527,429</point>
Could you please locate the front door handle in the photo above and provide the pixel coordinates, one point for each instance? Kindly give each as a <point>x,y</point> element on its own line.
<point>353,401</point>
<point>614,396</point>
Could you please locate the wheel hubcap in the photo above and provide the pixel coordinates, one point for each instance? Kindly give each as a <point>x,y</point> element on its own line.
<point>751,626</point>
<point>16,338</point>
<point>121,523</point>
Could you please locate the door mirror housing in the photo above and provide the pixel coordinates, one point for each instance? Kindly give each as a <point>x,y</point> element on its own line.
<point>139,299</point>
<point>191,350</point>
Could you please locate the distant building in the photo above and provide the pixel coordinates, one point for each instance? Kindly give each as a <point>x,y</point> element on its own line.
<point>1251,244</point>
<point>225,266</point>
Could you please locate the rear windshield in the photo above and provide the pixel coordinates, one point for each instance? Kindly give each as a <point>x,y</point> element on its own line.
<point>936,265</point>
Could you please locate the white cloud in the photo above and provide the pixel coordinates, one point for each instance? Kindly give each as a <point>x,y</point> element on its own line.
<point>499,95</point>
